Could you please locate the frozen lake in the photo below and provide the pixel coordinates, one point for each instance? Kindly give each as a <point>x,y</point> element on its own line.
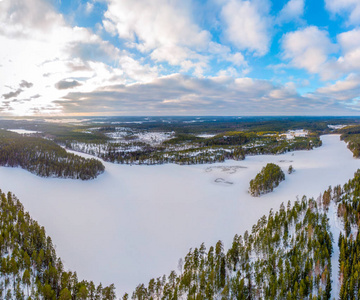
<point>134,222</point>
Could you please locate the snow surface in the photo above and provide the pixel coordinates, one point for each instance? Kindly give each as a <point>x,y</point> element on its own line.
<point>133,223</point>
<point>151,138</point>
<point>24,131</point>
<point>73,121</point>
<point>154,138</point>
<point>337,126</point>
<point>335,230</point>
<point>206,135</point>
<point>291,134</point>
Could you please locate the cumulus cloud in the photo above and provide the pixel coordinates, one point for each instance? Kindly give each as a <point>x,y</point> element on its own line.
<point>349,61</point>
<point>67,84</point>
<point>25,84</point>
<point>49,66</point>
<point>12,94</point>
<point>311,49</point>
<point>161,27</point>
<point>40,45</point>
<point>349,8</point>
<point>292,10</point>
<point>19,18</point>
<point>308,48</point>
<point>346,89</point>
<point>17,92</point>
<point>247,24</point>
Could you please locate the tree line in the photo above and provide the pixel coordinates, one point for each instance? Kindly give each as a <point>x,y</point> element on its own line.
<point>189,149</point>
<point>287,255</point>
<point>29,266</point>
<point>45,158</point>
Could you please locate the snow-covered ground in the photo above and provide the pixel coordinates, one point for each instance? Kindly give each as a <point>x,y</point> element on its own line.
<point>65,120</point>
<point>206,135</point>
<point>335,230</point>
<point>291,134</point>
<point>154,138</point>
<point>24,131</point>
<point>337,126</point>
<point>151,138</point>
<point>134,222</point>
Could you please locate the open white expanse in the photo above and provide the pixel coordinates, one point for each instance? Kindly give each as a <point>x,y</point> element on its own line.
<point>134,222</point>
<point>23,131</point>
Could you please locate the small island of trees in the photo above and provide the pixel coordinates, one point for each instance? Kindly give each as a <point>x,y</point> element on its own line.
<point>264,182</point>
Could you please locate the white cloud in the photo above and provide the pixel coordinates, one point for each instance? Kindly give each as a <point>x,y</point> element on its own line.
<point>247,25</point>
<point>351,8</point>
<point>22,17</point>
<point>343,93</point>
<point>42,49</point>
<point>161,27</point>
<point>48,66</point>
<point>156,23</point>
<point>312,50</point>
<point>89,7</point>
<point>308,48</point>
<point>342,90</point>
<point>349,59</point>
<point>292,10</point>
<point>350,45</point>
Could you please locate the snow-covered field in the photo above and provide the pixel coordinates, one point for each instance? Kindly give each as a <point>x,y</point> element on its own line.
<point>24,131</point>
<point>206,135</point>
<point>291,134</point>
<point>337,126</point>
<point>151,138</point>
<point>134,222</point>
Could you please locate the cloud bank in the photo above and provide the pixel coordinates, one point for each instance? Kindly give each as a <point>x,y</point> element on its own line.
<point>161,57</point>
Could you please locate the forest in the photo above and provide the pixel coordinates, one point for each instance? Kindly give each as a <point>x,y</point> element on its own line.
<point>351,135</point>
<point>29,266</point>
<point>348,210</point>
<point>190,149</point>
<point>266,180</point>
<point>119,139</point>
<point>45,158</point>
<point>286,255</point>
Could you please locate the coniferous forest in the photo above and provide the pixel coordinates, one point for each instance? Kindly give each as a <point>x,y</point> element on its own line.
<point>29,266</point>
<point>45,158</point>
<point>266,180</point>
<point>287,255</point>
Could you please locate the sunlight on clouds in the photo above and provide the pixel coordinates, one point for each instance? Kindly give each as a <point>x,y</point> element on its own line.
<point>177,57</point>
<point>54,55</point>
<point>247,24</point>
<point>160,27</point>
<point>351,8</point>
<point>308,48</point>
<point>292,10</point>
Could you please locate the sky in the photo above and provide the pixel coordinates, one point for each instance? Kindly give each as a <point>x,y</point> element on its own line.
<point>179,57</point>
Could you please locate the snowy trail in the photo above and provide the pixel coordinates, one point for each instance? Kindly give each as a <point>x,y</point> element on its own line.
<point>335,230</point>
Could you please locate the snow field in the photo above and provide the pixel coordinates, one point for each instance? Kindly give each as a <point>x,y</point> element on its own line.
<point>134,222</point>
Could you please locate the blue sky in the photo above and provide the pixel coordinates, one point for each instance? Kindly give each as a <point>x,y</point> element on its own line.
<point>162,57</point>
